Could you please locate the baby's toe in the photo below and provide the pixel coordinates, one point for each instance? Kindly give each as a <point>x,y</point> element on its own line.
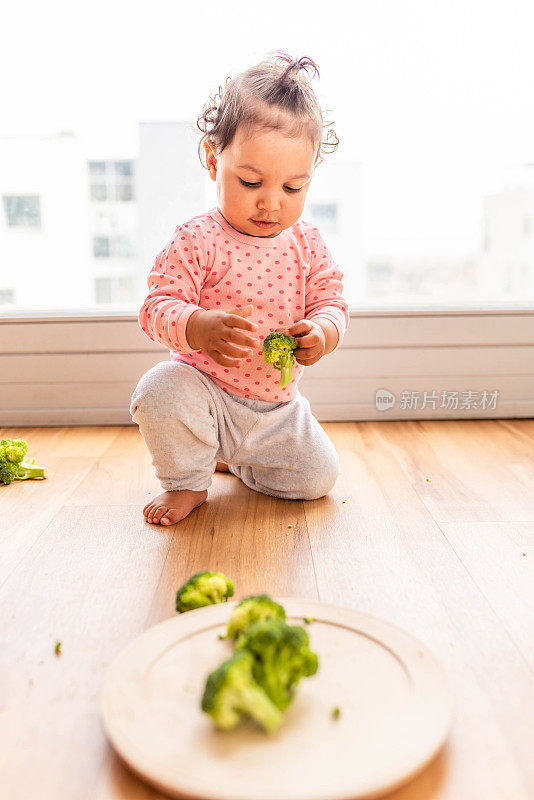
<point>152,513</point>
<point>170,517</point>
<point>147,509</point>
<point>158,513</point>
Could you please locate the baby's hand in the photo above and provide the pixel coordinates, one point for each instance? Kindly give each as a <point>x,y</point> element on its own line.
<point>311,342</point>
<point>223,334</point>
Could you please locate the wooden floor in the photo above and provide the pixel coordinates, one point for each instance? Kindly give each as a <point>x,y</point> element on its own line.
<point>436,535</point>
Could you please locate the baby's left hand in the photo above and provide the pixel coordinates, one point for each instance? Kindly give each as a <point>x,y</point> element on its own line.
<point>310,339</point>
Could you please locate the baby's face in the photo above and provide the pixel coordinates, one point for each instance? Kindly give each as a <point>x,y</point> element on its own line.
<point>263,176</point>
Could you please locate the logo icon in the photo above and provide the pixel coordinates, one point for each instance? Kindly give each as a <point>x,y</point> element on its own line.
<point>384,399</point>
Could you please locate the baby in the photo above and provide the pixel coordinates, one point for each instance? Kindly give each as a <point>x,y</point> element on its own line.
<point>225,280</point>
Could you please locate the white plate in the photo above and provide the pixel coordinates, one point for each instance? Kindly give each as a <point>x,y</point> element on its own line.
<point>395,702</point>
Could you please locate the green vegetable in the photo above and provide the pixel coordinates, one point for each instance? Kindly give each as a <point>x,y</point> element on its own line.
<point>252,609</point>
<point>12,465</point>
<point>336,712</point>
<point>231,693</point>
<point>278,351</point>
<point>58,648</point>
<point>309,620</point>
<point>282,657</point>
<point>203,589</point>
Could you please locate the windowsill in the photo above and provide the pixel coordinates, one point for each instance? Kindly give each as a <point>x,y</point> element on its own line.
<point>378,307</point>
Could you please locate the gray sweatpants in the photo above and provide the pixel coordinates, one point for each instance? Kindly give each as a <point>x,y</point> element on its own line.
<point>188,423</point>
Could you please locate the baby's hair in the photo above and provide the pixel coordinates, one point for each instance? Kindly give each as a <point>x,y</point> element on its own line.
<point>273,95</point>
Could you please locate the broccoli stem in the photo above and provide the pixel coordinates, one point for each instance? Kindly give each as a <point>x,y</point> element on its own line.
<point>257,704</point>
<point>287,367</point>
<point>26,471</point>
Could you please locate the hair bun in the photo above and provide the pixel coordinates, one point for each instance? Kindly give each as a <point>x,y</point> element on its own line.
<point>292,72</point>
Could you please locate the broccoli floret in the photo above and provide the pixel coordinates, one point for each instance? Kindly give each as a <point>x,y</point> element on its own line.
<point>252,609</point>
<point>278,351</point>
<point>231,692</point>
<point>203,589</point>
<point>12,465</point>
<point>282,657</point>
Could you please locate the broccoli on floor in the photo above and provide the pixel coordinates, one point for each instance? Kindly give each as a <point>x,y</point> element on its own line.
<point>252,609</point>
<point>278,351</point>
<point>282,657</point>
<point>12,464</point>
<point>231,693</point>
<point>203,589</point>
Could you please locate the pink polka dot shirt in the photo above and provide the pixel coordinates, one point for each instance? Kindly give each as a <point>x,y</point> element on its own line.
<point>208,265</point>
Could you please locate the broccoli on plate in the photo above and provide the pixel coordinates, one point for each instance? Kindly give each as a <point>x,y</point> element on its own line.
<point>282,657</point>
<point>252,609</point>
<point>203,589</point>
<point>12,464</point>
<point>231,693</point>
<point>278,351</point>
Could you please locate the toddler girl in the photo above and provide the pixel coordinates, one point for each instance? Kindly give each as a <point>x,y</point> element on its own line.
<point>225,280</point>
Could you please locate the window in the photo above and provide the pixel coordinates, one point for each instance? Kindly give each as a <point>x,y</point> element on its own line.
<point>113,247</point>
<point>22,211</point>
<point>115,289</point>
<point>428,200</point>
<point>325,216</point>
<point>123,168</point>
<point>101,247</point>
<point>111,180</point>
<point>99,191</point>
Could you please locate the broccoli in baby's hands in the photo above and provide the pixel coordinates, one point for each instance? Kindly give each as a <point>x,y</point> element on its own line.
<point>231,693</point>
<point>12,464</point>
<point>251,609</point>
<point>278,351</point>
<point>203,589</point>
<point>282,656</point>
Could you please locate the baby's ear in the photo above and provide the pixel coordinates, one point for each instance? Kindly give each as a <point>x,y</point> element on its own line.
<point>211,158</point>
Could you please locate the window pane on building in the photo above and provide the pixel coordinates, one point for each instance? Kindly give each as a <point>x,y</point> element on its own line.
<point>98,191</point>
<point>101,247</point>
<point>22,211</point>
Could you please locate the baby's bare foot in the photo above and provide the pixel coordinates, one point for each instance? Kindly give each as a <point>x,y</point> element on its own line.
<point>170,507</point>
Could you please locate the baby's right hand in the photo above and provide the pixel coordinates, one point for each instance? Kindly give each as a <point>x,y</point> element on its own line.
<point>223,335</point>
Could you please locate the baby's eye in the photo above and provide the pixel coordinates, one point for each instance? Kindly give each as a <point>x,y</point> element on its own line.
<point>253,186</point>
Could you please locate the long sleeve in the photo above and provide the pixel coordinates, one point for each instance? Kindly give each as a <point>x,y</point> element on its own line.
<point>174,283</point>
<point>324,288</point>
